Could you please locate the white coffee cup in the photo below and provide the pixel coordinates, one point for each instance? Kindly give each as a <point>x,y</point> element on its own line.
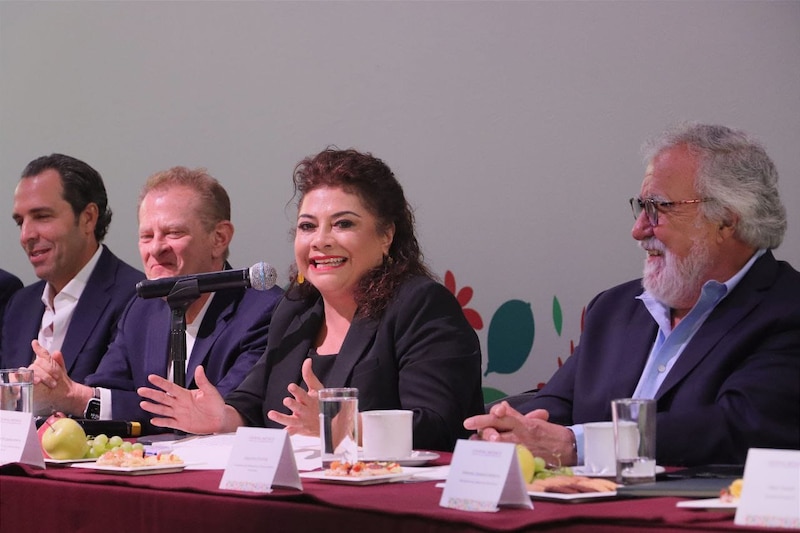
<point>599,455</point>
<point>387,434</point>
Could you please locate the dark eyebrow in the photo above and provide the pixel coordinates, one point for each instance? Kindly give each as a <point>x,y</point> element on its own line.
<point>345,213</point>
<point>335,215</point>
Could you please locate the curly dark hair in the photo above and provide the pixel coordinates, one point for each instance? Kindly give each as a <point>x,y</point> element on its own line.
<point>376,186</point>
<point>82,185</point>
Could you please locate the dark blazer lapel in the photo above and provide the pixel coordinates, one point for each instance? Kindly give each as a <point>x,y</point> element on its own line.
<point>725,317</point>
<point>641,332</point>
<point>299,335</point>
<point>214,323</point>
<point>356,343</point>
<point>91,306</point>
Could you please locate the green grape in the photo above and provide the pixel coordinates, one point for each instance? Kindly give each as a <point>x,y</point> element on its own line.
<point>538,464</point>
<point>115,441</point>
<point>553,471</point>
<point>102,438</point>
<point>94,452</point>
<point>138,446</point>
<point>127,446</point>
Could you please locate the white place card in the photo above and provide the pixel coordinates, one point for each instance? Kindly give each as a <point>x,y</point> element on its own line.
<point>484,475</point>
<point>18,440</point>
<point>771,489</point>
<point>260,459</point>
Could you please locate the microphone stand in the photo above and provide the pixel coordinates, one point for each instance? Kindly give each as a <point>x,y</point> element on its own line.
<point>182,295</point>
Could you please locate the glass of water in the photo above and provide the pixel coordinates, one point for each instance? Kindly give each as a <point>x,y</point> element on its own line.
<point>338,425</point>
<point>16,390</point>
<point>635,440</point>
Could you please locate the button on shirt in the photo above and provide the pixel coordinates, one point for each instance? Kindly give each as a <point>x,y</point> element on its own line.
<point>670,343</point>
<point>57,316</point>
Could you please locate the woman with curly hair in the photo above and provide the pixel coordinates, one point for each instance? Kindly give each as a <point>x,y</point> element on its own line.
<point>362,311</point>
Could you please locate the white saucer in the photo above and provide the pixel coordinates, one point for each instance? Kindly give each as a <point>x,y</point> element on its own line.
<point>580,471</point>
<point>709,503</point>
<point>417,458</point>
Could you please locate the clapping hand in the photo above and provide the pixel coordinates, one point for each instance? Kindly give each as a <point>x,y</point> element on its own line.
<point>52,386</point>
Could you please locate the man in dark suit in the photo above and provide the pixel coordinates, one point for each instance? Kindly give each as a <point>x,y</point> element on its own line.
<point>61,208</point>
<point>714,337</point>
<point>184,228</point>
<point>9,284</point>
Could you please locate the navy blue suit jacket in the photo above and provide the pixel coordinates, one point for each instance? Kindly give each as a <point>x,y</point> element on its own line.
<point>735,386</point>
<point>231,338</point>
<point>421,355</point>
<point>110,287</point>
<point>9,284</point>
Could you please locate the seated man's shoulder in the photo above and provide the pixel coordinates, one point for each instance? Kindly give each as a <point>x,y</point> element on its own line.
<point>788,277</point>
<point>129,274</point>
<point>9,281</point>
<point>27,294</point>
<point>125,274</point>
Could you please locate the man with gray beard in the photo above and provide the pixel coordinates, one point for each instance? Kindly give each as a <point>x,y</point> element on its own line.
<point>714,337</point>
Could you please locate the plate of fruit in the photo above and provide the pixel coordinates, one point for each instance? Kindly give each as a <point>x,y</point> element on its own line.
<point>555,482</point>
<point>64,442</point>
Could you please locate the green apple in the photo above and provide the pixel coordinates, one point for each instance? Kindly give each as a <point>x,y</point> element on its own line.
<point>64,439</point>
<point>526,463</point>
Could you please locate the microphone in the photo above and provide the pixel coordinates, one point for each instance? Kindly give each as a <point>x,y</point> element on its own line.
<point>261,276</point>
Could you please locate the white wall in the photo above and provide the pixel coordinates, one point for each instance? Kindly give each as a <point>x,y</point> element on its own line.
<point>514,126</point>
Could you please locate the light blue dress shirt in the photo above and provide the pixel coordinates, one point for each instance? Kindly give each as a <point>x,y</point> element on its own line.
<point>670,343</point>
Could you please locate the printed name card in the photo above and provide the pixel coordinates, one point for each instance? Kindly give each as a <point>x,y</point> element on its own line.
<point>18,440</point>
<point>484,475</point>
<point>771,490</point>
<point>260,459</point>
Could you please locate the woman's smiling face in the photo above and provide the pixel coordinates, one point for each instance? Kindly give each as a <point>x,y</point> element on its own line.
<point>337,241</point>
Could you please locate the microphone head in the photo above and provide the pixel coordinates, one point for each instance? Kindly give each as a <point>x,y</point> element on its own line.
<point>263,276</point>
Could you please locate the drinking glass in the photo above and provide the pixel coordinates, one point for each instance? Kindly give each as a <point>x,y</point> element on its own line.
<point>338,425</point>
<point>635,440</point>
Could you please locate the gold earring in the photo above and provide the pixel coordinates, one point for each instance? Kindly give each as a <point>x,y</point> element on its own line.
<point>300,278</point>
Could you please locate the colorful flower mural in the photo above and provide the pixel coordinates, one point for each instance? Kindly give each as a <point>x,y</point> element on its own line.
<point>511,333</point>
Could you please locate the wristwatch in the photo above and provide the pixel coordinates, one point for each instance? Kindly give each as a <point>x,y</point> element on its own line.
<point>92,411</point>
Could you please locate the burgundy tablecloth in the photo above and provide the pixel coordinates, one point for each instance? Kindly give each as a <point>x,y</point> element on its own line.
<point>69,499</point>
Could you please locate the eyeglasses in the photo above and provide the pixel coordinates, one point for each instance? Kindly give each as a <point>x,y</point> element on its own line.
<point>652,207</point>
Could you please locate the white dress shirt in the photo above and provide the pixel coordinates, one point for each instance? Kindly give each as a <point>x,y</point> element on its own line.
<point>58,314</point>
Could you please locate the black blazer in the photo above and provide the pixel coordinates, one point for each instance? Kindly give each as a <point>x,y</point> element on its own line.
<point>735,386</point>
<point>420,355</point>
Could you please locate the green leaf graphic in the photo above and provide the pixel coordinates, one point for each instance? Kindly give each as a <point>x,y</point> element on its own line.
<point>490,395</point>
<point>557,316</point>
<point>510,337</point>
